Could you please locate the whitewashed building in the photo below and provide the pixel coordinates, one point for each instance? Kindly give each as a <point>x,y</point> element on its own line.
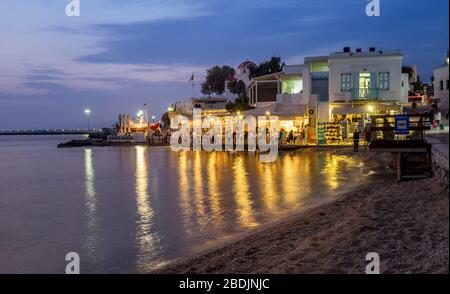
<point>346,85</point>
<point>242,74</point>
<point>441,89</point>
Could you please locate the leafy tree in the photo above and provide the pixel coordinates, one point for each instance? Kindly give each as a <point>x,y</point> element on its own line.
<point>273,65</point>
<point>237,87</point>
<point>215,79</point>
<point>241,104</point>
<point>165,120</point>
<point>409,70</point>
<point>230,106</point>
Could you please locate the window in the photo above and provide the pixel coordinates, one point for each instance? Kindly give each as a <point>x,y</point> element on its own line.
<point>319,66</point>
<point>291,86</point>
<point>441,85</point>
<point>346,83</point>
<point>383,81</point>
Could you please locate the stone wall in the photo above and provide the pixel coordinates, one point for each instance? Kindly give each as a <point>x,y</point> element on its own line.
<point>440,166</point>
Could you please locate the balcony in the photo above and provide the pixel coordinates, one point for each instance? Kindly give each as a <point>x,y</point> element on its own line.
<point>298,98</point>
<point>365,93</point>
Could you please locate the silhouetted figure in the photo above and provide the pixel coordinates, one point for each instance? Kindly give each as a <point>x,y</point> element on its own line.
<point>291,137</point>
<point>367,135</point>
<point>355,140</point>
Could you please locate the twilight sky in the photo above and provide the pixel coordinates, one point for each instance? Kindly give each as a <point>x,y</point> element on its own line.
<point>121,53</point>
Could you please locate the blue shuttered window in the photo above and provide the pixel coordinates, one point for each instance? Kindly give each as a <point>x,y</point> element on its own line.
<point>383,80</point>
<point>346,82</point>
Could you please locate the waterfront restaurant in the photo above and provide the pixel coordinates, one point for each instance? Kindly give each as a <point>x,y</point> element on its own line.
<point>337,93</point>
<point>281,94</point>
<point>359,84</point>
<point>326,99</point>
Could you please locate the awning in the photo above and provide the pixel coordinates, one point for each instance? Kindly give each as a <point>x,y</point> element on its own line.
<point>363,108</point>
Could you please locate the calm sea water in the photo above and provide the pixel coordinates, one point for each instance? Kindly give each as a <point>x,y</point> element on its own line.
<point>133,209</point>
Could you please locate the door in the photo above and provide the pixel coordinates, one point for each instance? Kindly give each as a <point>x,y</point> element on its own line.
<point>364,84</point>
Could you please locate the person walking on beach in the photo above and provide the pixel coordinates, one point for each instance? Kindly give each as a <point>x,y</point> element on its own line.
<point>355,140</point>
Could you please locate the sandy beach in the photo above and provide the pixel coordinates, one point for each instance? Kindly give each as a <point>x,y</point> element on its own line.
<point>406,223</point>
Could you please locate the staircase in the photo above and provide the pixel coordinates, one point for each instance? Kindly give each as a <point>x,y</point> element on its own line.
<point>323,112</point>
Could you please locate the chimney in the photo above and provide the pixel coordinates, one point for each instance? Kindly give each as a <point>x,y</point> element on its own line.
<point>347,49</point>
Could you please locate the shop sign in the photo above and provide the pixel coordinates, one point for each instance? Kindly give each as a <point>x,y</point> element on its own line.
<point>402,124</point>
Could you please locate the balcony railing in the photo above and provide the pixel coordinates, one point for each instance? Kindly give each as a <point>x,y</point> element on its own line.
<point>365,93</point>
<point>298,98</point>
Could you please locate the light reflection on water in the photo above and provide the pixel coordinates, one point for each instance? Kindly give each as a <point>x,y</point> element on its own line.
<point>93,222</point>
<point>133,209</point>
<point>242,194</point>
<point>146,238</point>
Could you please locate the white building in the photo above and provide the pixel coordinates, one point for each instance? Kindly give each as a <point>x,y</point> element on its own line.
<point>208,105</point>
<point>352,82</point>
<point>242,74</point>
<point>441,88</point>
<point>339,77</point>
<point>345,85</point>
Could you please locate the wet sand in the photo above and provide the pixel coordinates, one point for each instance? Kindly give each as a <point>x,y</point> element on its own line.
<point>406,223</point>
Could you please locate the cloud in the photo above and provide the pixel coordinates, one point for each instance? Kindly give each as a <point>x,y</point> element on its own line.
<point>41,77</point>
<point>137,49</point>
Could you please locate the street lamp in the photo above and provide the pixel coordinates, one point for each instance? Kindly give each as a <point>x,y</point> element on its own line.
<point>88,113</point>
<point>153,118</point>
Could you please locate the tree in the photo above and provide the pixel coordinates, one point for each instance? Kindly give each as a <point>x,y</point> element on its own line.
<point>230,106</point>
<point>215,79</point>
<point>273,65</point>
<point>237,87</point>
<point>409,70</point>
<point>165,120</point>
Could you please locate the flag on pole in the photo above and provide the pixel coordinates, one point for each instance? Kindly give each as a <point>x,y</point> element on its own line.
<point>192,78</point>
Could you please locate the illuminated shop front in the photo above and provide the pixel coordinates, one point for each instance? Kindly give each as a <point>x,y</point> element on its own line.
<point>345,118</point>
<point>291,118</point>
